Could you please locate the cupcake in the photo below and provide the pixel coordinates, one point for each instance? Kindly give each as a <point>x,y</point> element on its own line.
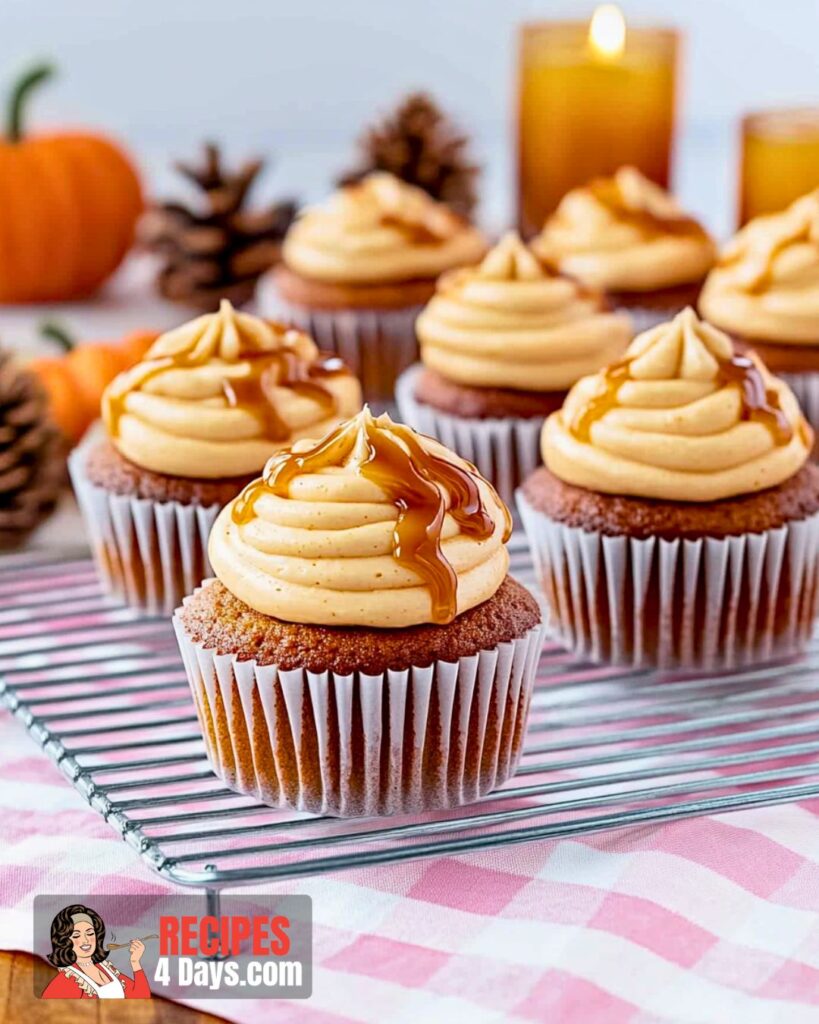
<point>676,520</point>
<point>501,343</point>
<point>186,429</point>
<point>356,272</point>
<point>362,649</point>
<point>765,292</point>
<point>629,238</point>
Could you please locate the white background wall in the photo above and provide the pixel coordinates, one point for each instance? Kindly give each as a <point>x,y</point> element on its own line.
<point>299,78</point>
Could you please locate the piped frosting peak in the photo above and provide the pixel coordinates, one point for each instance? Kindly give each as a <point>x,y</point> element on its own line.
<point>683,417</point>
<point>380,229</point>
<point>510,260</point>
<point>625,233</point>
<point>212,398</point>
<point>766,284</point>
<point>372,525</point>
<point>510,322</point>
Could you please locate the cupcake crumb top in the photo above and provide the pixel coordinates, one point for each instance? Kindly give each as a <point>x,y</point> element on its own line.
<point>216,619</point>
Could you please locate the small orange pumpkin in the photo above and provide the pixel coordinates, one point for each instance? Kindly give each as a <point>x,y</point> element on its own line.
<point>76,380</point>
<point>70,204</point>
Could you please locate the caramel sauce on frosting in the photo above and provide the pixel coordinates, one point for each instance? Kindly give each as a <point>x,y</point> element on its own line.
<point>213,397</point>
<point>380,230</point>
<point>625,233</point>
<point>509,322</point>
<point>759,402</point>
<point>636,200</point>
<point>683,417</point>
<point>372,525</point>
<point>284,369</point>
<point>766,284</point>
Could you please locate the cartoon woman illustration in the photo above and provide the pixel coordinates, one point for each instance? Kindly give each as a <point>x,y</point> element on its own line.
<point>78,952</point>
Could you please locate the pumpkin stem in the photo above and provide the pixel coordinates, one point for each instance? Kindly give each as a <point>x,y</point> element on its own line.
<point>19,95</point>
<point>56,332</point>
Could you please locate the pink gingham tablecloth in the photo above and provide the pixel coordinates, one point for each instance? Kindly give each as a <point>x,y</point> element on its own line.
<point>706,920</point>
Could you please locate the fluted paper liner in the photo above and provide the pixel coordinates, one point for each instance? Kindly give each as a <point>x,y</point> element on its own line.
<point>149,554</point>
<point>420,739</point>
<point>706,603</point>
<point>376,344</point>
<point>806,388</point>
<point>505,451</point>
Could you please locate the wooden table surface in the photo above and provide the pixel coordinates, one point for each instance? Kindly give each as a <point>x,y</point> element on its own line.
<point>18,1004</point>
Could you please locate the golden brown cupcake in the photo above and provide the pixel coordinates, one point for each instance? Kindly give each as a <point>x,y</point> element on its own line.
<point>676,521</point>
<point>369,652</point>
<point>186,429</point>
<point>765,292</point>
<point>629,238</point>
<point>356,271</point>
<point>501,344</point>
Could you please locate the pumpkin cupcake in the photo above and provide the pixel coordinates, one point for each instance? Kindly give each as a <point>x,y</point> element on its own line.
<point>501,344</point>
<point>356,272</point>
<point>629,238</point>
<point>765,292</point>
<point>676,520</point>
<point>187,428</point>
<point>362,649</point>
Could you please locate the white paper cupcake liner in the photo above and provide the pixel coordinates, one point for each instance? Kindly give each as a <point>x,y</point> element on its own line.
<point>149,554</point>
<point>806,388</point>
<point>376,344</point>
<point>706,603</point>
<point>505,451</point>
<point>347,745</point>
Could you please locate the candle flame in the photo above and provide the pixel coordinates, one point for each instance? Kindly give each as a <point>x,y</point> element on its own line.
<point>607,31</point>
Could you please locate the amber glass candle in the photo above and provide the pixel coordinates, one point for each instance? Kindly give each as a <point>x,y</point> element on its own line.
<point>780,160</point>
<point>592,96</point>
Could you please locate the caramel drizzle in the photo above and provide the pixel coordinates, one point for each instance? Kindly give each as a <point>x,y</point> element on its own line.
<point>415,481</point>
<point>607,193</point>
<point>759,404</point>
<point>283,368</point>
<point>415,232</point>
<point>764,279</point>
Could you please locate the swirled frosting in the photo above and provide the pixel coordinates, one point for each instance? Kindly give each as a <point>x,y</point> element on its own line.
<point>682,418</point>
<point>625,234</point>
<point>766,284</point>
<point>374,525</point>
<point>511,323</point>
<point>215,397</point>
<point>380,230</point>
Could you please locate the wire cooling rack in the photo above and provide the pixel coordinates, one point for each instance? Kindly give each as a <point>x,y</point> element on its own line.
<point>102,690</point>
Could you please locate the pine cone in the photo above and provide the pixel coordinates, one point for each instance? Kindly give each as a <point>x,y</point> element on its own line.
<point>220,251</point>
<point>418,143</point>
<point>32,456</point>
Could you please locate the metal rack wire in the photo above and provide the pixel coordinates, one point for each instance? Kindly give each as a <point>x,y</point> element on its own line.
<point>102,690</point>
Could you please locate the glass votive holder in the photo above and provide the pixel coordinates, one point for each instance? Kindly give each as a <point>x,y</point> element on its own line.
<point>584,111</point>
<point>780,159</point>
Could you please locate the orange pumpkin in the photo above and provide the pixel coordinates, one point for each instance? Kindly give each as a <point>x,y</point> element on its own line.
<point>76,380</point>
<point>67,411</point>
<point>70,204</point>
<point>134,346</point>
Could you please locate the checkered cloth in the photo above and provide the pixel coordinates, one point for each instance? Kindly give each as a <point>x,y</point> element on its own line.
<point>705,920</point>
